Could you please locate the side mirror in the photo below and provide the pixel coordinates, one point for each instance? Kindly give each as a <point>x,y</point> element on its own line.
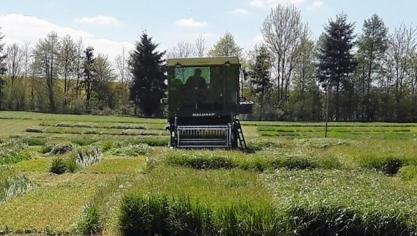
<point>164,101</point>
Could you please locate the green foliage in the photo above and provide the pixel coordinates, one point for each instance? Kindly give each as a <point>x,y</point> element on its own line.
<point>91,223</point>
<point>325,201</point>
<point>388,165</point>
<point>12,183</point>
<point>148,84</point>
<point>226,47</point>
<point>408,172</point>
<point>58,166</point>
<point>107,145</point>
<point>12,152</point>
<point>337,64</point>
<point>83,140</point>
<point>132,150</point>
<point>151,141</point>
<point>35,141</point>
<point>256,162</point>
<point>46,148</point>
<point>76,160</point>
<point>72,165</point>
<point>161,215</point>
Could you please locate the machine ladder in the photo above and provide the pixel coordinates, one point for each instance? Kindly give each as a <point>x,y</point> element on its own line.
<point>240,136</point>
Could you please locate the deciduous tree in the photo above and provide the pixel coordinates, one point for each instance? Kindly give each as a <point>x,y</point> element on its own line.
<point>372,45</point>
<point>46,53</point>
<point>3,69</point>
<point>226,47</point>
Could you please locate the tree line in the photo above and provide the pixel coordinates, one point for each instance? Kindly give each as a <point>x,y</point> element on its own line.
<point>61,75</point>
<point>345,75</point>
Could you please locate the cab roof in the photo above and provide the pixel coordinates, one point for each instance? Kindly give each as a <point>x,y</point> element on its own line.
<point>203,61</point>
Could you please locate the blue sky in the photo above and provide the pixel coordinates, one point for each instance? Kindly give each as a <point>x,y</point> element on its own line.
<point>110,25</point>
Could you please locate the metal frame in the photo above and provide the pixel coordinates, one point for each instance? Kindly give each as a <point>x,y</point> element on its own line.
<point>204,134</point>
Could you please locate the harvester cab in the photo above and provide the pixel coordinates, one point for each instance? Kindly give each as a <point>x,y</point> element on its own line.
<point>204,102</point>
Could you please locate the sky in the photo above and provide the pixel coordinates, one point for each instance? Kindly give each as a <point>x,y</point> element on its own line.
<point>111,25</point>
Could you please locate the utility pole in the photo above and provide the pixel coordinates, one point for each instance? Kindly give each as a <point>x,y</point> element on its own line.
<point>327,109</point>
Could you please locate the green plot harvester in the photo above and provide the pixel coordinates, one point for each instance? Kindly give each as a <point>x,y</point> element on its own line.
<point>204,102</point>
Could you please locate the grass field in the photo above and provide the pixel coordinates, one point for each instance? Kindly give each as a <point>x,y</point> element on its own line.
<point>83,175</point>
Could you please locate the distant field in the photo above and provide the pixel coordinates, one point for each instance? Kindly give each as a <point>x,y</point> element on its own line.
<point>118,171</point>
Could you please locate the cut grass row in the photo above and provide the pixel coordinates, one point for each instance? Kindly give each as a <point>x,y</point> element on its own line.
<point>348,202</point>
<point>183,201</point>
<point>116,132</point>
<point>178,201</point>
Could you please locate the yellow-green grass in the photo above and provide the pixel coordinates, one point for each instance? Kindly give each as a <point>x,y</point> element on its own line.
<point>55,205</point>
<point>117,165</point>
<point>212,188</point>
<point>54,208</point>
<point>342,163</point>
<point>76,118</point>
<point>37,165</point>
<point>12,127</point>
<point>352,198</point>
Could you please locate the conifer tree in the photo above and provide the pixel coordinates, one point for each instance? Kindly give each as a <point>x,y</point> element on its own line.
<point>260,75</point>
<point>88,75</point>
<point>148,70</point>
<point>337,63</point>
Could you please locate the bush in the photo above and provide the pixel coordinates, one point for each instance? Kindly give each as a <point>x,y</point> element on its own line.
<point>88,157</point>
<point>132,150</point>
<point>47,148</point>
<point>35,141</point>
<point>387,165</point>
<point>91,223</point>
<point>79,159</point>
<point>72,165</point>
<point>342,221</point>
<point>58,166</point>
<point>83,140</point>
<point>14,157</point>
<point>12,184</point>
<point>107,145</point>
<point>12,152</point>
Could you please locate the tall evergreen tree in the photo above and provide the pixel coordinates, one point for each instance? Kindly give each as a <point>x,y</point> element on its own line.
<point>148,70</point>
<point>337,64</point>
<point>259,72</point>
<point>2,69</point>
<point>372,45</point>
<point>88,75</point>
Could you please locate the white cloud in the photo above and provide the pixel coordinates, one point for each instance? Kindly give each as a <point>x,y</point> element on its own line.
<point>19,28</point>
<point>273,3</point>
<point>100,20</point>
<point>240,11</point>
<point>317,4</point>
<point>190,23</point>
